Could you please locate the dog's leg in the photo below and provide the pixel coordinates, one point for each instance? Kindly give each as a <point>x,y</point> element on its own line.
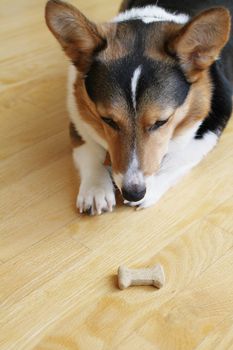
<point>178,162</point>
<point>96,193</point>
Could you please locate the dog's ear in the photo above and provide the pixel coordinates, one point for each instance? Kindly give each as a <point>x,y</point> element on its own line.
<point>79,37</point>
<point>198,43</point>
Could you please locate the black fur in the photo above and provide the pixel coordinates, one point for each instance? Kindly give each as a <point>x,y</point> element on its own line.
<point>221,106</point>
<point>221,72</point>
<point>159,81</point>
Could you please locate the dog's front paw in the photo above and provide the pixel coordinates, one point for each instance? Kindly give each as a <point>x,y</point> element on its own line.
<point>96,198</point>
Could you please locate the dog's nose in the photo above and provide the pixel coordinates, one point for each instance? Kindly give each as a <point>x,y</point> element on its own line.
<point>134,193</point>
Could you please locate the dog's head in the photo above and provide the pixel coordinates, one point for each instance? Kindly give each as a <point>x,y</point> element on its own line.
<point>140,84</point>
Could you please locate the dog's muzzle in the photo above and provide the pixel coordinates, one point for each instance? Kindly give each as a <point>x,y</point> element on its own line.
<point>134,193</point>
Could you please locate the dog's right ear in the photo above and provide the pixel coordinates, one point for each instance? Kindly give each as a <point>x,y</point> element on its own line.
<point>79,37</point>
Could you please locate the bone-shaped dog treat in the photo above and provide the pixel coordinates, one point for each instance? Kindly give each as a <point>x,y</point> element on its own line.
<point>141,277</point>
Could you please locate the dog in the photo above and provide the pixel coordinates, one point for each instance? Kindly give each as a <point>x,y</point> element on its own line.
<point>152,88</point>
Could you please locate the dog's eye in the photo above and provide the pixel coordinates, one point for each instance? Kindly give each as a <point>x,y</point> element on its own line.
<point>111,123</point>
<point>157,125</point>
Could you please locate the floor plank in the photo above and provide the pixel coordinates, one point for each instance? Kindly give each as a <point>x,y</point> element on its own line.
<point>58,286</point>
<point>107,314</point>
<point>182,323</point>
<point>220,338</point>
<point>222,215</point>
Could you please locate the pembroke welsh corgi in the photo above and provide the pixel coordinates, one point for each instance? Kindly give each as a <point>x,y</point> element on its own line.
<point>152,88</point>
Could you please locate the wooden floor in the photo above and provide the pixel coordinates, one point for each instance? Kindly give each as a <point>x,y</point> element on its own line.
<point>58,285</point>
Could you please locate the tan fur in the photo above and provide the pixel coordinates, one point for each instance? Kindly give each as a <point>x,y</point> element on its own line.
<point>196,44</point>
<point>87,108</point>
<point>199,104</point>
<point>76,139</point>
<point>154,144</point>
<point>118,143</point>
<point>157,40</point>
<point>199,43</point>
<point>151,147</point>
<point>120,41</point>
<point>195,109</point>
<point>78,36</point>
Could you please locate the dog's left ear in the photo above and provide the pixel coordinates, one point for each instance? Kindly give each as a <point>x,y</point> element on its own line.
<point>199,43</point>
<point>79,37</point>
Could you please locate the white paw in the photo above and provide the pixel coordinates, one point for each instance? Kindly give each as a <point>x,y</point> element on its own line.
<point>96,198</point>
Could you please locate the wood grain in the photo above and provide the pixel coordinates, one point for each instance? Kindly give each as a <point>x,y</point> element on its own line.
<point>222,215</point>
<point>220,338</point>
<point>58,286</point>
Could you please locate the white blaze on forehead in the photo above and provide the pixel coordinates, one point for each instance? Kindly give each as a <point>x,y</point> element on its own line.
<point>134,85</point>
